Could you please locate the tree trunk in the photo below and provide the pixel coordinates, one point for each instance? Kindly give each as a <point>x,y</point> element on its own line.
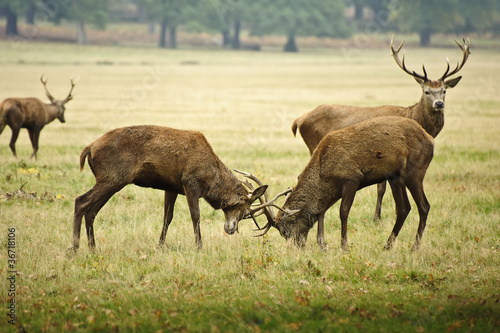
<point>358,11</point>
<point>290,45</point>
<point>163,32</point>
<point>226,38</point>
<point>30,13</point>
<point>425,37</point>
<point>236,45</point>
<point>82,36</point>
<point>172,40</point>
<point>151,27</point>
<point>11,27</point>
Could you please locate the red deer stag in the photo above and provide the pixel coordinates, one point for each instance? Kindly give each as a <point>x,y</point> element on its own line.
<point>176,161</point>
<point>32,114</point>
<point>393,148</point>
<point>428,111</point>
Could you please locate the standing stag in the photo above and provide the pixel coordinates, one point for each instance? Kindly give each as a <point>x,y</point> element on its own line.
<point>176,161</point>
<point>393,148</point>
<point>32,114</point>
<point>428,111</point>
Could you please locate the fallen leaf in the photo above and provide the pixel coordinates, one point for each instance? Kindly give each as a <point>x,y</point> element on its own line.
<point>302,300</point>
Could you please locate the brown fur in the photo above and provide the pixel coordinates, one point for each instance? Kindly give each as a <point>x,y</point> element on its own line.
<point>396,149</point>
<point>175,161</point>
<point>428,112</point>
<point>32,114</point>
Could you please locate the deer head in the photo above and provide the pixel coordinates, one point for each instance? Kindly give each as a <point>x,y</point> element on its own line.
<point>59,104</point>
<point>235,213</point>
<point>434,91</point>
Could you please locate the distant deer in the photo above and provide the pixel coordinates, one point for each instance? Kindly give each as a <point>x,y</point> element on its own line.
<point>32,114</point>
<point>172,160</point>
<point>393,148</point>
<point>428,111</point>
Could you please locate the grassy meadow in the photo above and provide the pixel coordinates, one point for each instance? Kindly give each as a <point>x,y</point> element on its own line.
<point>245,103</point>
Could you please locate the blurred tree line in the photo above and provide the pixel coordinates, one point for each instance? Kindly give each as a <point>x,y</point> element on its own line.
<point>290,18</point>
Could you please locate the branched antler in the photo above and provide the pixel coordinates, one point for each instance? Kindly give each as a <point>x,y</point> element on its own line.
<point>261,209</point>
<point>49,95</point>
<point>52,98</point>
<point>466,51</point>
<point>401,63</point>
<point>70,97</point>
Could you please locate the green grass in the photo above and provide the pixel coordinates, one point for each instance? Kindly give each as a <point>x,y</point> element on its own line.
<point>245,103</point>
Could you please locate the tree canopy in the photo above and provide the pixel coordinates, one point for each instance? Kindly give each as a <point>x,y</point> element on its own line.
<point>289,18</point>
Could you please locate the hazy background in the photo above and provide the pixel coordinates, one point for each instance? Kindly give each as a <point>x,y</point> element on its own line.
<point>237,24</point>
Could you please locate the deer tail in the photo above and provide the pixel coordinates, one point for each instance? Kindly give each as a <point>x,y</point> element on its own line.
<point>83,155</point>
<point>294,127</point>
<point>2,119</point>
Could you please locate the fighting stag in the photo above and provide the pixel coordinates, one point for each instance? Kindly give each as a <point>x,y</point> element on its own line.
<point>32,114</point>
<point>172,160</point>
<point>393,148</point>
<point>428,111</point>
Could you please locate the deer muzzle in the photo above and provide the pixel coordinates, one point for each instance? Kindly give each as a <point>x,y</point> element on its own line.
<point>438,105</point>
<point>231,226</point>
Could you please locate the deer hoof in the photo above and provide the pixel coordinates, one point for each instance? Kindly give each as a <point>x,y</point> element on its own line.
<point>71,251</point>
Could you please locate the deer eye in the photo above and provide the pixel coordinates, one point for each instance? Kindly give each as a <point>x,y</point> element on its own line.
<point>444,92</point>
<point>427,92</point>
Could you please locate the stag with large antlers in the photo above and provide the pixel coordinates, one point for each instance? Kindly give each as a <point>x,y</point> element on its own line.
<point>393,148</point>
<point>32,114</point>
<point>428,111</point>
<point>172,160</point>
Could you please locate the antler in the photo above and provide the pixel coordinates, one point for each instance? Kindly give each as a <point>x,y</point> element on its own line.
<point>73,83</point>
<point>257,210</point>
<point>44,82</point>
<point>466,52</point>
<point>401,64</point>
<point>250,186</point>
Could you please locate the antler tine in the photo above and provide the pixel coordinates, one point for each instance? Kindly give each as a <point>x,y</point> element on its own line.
<point>49,95</point>
<point>73,83</point>
<point>401,63</point>
<point>247,184</point>
<point>266,228</point>
<point>466,51</point>
<point>256,180</point>
<point>256,208</point>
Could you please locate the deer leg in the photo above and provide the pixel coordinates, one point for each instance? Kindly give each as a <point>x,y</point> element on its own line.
<point>348,194</point>
<point>13,117</point>
<point>321,231</point>
<point>403,208</point>
<point>88,205</point>
<point>13,139</point>
<point>194,208</point>
<point>170,198</point>
<point>380,195</point>
<point>416,188</point>
<point>34,136</point>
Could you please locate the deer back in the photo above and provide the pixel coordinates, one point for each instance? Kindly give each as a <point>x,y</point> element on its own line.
<point>163,158</point>
<point>365,153</point>
<point>373,150</point>
<point>33,112</point>
<point>314,125</point>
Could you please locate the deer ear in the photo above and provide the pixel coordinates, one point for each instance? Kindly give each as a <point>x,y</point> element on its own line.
<point>419,81</point>
<point>452,82</point>
<point>258,192</point>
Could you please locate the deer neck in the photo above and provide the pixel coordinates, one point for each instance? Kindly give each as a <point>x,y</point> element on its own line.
<point>310,195</point>
<point>51,112</point>
<point>224,189</point>
<point>432,121</point>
